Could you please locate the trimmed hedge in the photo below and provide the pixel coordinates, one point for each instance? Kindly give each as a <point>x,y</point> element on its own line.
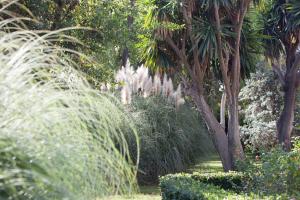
<point>184,187</point>
<point>227,181</point>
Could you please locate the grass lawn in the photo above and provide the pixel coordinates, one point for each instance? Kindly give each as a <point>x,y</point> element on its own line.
<point>206,165</point>
<point>146,193</point>
<point>136,197</point>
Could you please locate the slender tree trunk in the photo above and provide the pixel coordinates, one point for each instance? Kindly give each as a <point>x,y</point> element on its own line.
<point>217,132</point>
<point>223,110</point>
<point>286,119</point>
<point>234,141</point>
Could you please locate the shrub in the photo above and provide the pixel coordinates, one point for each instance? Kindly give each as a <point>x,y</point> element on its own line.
<point>227,181</point>
<point>279,172</point>
<point>58,135</point>
<point>184,187</point>
<point>261,100</point>
<point>170,139</point>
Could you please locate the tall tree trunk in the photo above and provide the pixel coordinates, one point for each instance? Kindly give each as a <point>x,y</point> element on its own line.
<point>290,84</point>
<point>231,77</point>
<point>223,110</point>
<point>286,119</point>
<point>234,141</point>
<point>217,132</point>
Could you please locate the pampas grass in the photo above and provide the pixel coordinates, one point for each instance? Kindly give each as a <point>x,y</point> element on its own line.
<point>140,82</point>
<point>59,138</point>
<point>170,139</point>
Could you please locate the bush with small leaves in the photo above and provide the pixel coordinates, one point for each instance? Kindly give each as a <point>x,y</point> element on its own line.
<point>261,101</point>
<point>227,181</point>
<point>278,173</point>
<point>184,187</point>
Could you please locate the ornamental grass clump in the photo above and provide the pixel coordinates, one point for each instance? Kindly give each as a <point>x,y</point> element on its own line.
<point>171,133</point>
<point>171,139</point>
<point>59,138</point>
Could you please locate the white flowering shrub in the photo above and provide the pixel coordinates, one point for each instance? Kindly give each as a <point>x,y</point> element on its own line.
<point>260,99</point>
<point>139,82</point>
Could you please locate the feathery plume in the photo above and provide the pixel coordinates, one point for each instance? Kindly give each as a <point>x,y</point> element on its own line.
<point>164,85</point>
<point>141,83</point>
<point>103,87</point>
<point>148,87</point>
<point>126,95</point>
<point>177,97</point>
<point>108,86</point>
<point>121,75</point>
<point>142,74</point>
<point>167,87</point>
<point>156,84</point>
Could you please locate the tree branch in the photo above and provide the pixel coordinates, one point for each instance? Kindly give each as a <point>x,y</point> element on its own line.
<point>183,42</point>
<point>180,54</point>
<point>224,68</point>
<point>188,21</point>
<point>238,21</point>
<point>175,48</point>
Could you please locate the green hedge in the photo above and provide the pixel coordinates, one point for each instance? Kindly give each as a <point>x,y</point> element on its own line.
<point>184,187</point>
<point>228,181</point>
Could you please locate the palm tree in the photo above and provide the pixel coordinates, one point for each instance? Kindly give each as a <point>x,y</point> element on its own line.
<point>199,37</point>
<point>282,24</point>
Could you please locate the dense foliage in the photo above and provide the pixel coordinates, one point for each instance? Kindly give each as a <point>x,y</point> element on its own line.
<point>75,124</point>
<point>228,181</point>
<point>183,187</point>
<point>58,136</point>
<point>276,177</point>
<point>261,103</point>
<point>170,139</point>
<point>104,33</point>
<point>261,98</point>
<point>172,134</point>
<point>278,173</point>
